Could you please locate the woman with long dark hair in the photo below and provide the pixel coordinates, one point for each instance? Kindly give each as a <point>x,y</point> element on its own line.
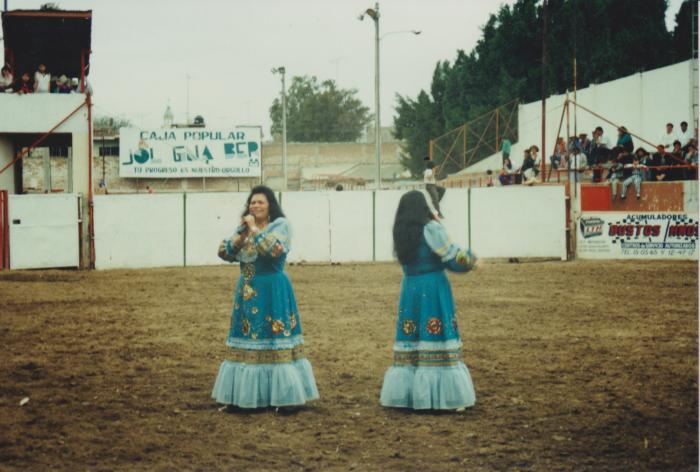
<point>265,365</point>
<point>427,371</point>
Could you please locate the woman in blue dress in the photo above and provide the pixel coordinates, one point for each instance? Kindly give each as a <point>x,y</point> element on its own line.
<point>265,365</point>
<point>427,370</point>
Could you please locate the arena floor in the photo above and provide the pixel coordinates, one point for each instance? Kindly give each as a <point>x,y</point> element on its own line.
<point>582,366</point>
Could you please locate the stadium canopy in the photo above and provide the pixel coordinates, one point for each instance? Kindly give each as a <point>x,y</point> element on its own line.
<point>60,39</point>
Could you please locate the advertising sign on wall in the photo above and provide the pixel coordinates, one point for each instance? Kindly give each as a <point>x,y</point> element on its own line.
<point>189,152</point>
<point>612,235</point>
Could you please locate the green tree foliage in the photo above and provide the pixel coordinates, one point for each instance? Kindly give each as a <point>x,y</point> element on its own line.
<point>320,112</point>
<point>610,39</point>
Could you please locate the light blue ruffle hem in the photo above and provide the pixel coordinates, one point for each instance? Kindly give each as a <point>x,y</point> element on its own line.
<point>261,385</point>
<point>423,388</point>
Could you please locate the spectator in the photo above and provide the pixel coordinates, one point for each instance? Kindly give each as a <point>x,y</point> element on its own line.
<point>583,143</point>
<point>635,178</point>
<point>489,178</point>
<point>624,145</point>
<point>505,149</point>
<point>505,175</point>
<point>62,85</point>
<point>429,173</point>
<point>42,80</point>
<point>645,159</point>
<point>600,148</point>
<point>577,165</point>
<point>559,154</point>
<point>691,159</point>
<point>675,158</point>
<point>24,86</point>
<point>684,135</point>
<point>528,168</point>
<point>657,160</point>
<point>6,79</point>
<point>668,137</point>
<point>615,175</point>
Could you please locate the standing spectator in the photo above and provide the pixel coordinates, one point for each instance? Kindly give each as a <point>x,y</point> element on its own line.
<point>24,86</point>
<point>684,135</point>
<point>559,154</point>
<point>42,80</point>
<point>6,79</point>
<point>624,145</point>
<point>505,150</point>
<point>577,165</point>
<point>635,178</point>
<point>668,137</point>
<point>600,148</point>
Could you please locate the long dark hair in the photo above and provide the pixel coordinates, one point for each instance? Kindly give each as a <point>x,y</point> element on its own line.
<point>275,208</point>
<point>411,216</point>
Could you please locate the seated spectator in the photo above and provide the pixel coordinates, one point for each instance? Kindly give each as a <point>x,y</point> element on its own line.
<point>624,143</point>
<point>583,143</point>
<point>505,175</point>
<point>615,175</point>
<point>691,159</point>
<point>489,178</point>
<point>645,159</point>
<point>675,158</point>
<point>42,80</point>
<point>62,84</point>
<point>577,165</point>
<point>635,178</point>
<point>527,170</point>
<point>6,79</point>
<point>24,86</point>
<point>684,134</point>
<point>667,138</point>
<point>657,160</point>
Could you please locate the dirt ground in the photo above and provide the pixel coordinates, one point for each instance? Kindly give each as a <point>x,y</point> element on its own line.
<point>582,366</point>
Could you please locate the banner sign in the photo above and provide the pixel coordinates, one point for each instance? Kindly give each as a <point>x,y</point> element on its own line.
<point>189,152</point>
<point>613,235</point>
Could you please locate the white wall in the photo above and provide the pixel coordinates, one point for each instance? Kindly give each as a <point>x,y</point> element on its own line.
<point>147,230</point>
<point>43,231</point>
<point>309,218</point>
<point>517,221</point>
<point>39,112</point>
<point>352,226</point>
<point>134,231</point>
<point>210,217</point>
<point>643,103</point>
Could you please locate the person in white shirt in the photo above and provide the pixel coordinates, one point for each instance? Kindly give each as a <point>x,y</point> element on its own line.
<point>684,135</point>
<point>42,80</point>
<point>6,79</point>
<point>668,137</point>
<point>577,165</point>
<point>429,173</point>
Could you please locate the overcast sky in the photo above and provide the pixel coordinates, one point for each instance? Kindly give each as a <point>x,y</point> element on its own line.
<point>142,51</point>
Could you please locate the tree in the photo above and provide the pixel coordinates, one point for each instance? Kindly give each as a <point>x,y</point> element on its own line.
<point>609,38</point>
<point>107,126</point>
<point>320,112</point>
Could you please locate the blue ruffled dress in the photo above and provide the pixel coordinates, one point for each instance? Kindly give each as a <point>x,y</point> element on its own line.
<point>265,363</point>
<point>427,371</point>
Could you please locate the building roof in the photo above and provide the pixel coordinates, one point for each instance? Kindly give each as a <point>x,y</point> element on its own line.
<point>56,38</point>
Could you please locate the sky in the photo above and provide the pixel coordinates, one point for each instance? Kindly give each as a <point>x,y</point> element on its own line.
<point>144,50</point>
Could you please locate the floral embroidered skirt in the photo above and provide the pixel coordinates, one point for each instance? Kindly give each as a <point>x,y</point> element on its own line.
<point>427,371</point>
<point>265,363</point>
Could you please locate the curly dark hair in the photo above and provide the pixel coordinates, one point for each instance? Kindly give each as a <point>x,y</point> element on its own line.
<point>275,208</point>
<point>411,216</point>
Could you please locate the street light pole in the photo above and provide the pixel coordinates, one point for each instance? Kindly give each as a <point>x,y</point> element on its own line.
<point>282,71</point>
<point>374,14</point>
